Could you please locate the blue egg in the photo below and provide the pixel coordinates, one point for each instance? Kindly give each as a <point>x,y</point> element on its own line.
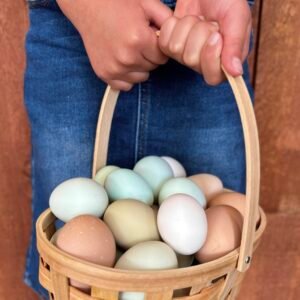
<point>126,184</point>
<point>155,170</point>
<point>181,186</point>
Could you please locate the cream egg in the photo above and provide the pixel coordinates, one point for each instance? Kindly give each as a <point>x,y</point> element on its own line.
<point>131,222</point>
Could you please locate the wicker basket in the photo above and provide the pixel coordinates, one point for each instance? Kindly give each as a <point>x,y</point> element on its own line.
<point>218,279</point>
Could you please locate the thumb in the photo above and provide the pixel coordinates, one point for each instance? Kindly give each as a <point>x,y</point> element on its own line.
<point>234,28</point>
<point>156,12</point>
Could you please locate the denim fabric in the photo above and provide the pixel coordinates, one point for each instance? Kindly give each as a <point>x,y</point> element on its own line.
<point>174,113</point>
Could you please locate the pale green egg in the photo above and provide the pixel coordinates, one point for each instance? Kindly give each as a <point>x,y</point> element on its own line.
<point>126,184</point>
<point>155,170</point>
<point>102,174</point>
<point>181,186</point>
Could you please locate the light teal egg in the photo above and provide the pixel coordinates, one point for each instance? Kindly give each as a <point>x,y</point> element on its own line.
<point>181,186</point>
<point>102,174</point>
<point>155,170</point>
<point>126,184</point>
<point>78,196</point>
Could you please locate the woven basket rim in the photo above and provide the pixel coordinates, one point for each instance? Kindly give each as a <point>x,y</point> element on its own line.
<point>73,264</point>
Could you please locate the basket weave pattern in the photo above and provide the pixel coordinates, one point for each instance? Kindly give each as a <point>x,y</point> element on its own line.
<point>218,279</point>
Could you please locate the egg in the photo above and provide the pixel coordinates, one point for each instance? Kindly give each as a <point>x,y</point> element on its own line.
<point>181,186</point>
<point>177,168</point>
<point>131,222</point>
<point>78,196</point>
<point>155,171</point>
<point>54,237</point>
<point>102,174</point>
<point>182,223</point>
<point>233,199</point>
<point>209,184</point>
<point>126,184</point>
<point>151,255</point>
<point>88,238</point>
<point>223,235</point>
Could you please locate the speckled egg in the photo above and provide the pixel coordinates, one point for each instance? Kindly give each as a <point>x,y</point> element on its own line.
<point>88,238</point>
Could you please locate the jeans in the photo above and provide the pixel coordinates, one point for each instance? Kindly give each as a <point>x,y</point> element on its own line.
<point>174,113</point>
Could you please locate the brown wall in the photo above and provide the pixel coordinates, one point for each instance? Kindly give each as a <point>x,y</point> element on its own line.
<point>14,153</point>
<point>276,267</point>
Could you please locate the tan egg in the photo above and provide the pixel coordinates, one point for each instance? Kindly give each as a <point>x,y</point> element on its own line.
<point>131,222</point>
<point>224,233</point>
<point>233,199</point>
<point>88,238</point>
<point>210,184</point>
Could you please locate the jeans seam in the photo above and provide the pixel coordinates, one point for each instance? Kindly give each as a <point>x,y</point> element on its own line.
<point>145,101</point>
<point>137,131</point>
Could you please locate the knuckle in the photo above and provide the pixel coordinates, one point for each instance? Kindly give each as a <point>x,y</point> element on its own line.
<point>136,39</point>
<point>176,47</point>
<point>190,60</point>
<point>126,58</point>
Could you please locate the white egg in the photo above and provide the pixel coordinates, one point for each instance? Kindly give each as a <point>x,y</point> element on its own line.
<point>78,196</point>
<point>176,166</point>
<point>182,223</point>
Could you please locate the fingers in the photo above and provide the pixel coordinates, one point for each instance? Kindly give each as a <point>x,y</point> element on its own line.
<point>178,37</point>
<point>156,12</point>
<point>126,81</point>
<point>211,59</point>
<point>151,51</point>
<point>235,28</point>
<point>195,43</point>
<point>120,85</point>
<point>186,8</point>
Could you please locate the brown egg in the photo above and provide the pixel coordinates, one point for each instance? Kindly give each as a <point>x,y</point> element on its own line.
<point>88,238</point>
<point>210,184</point>
<point>233,199</point>
<point>224,230</point>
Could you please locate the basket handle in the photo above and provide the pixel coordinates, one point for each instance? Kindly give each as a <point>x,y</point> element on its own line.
<point>251,147</point>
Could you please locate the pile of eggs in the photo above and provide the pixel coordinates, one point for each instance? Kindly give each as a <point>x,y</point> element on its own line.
<point>150,218</point>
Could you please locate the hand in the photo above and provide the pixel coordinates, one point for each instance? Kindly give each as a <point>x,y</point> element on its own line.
<point>234,20</point>
<point>119,37</point>
<point>194,43</point>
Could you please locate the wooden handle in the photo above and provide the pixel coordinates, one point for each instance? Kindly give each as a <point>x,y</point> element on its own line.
<point>251,147</point>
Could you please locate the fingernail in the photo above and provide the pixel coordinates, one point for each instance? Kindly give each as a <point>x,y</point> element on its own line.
<point>237,65</point>
<point>201,18</point>
<point>214,39</point>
